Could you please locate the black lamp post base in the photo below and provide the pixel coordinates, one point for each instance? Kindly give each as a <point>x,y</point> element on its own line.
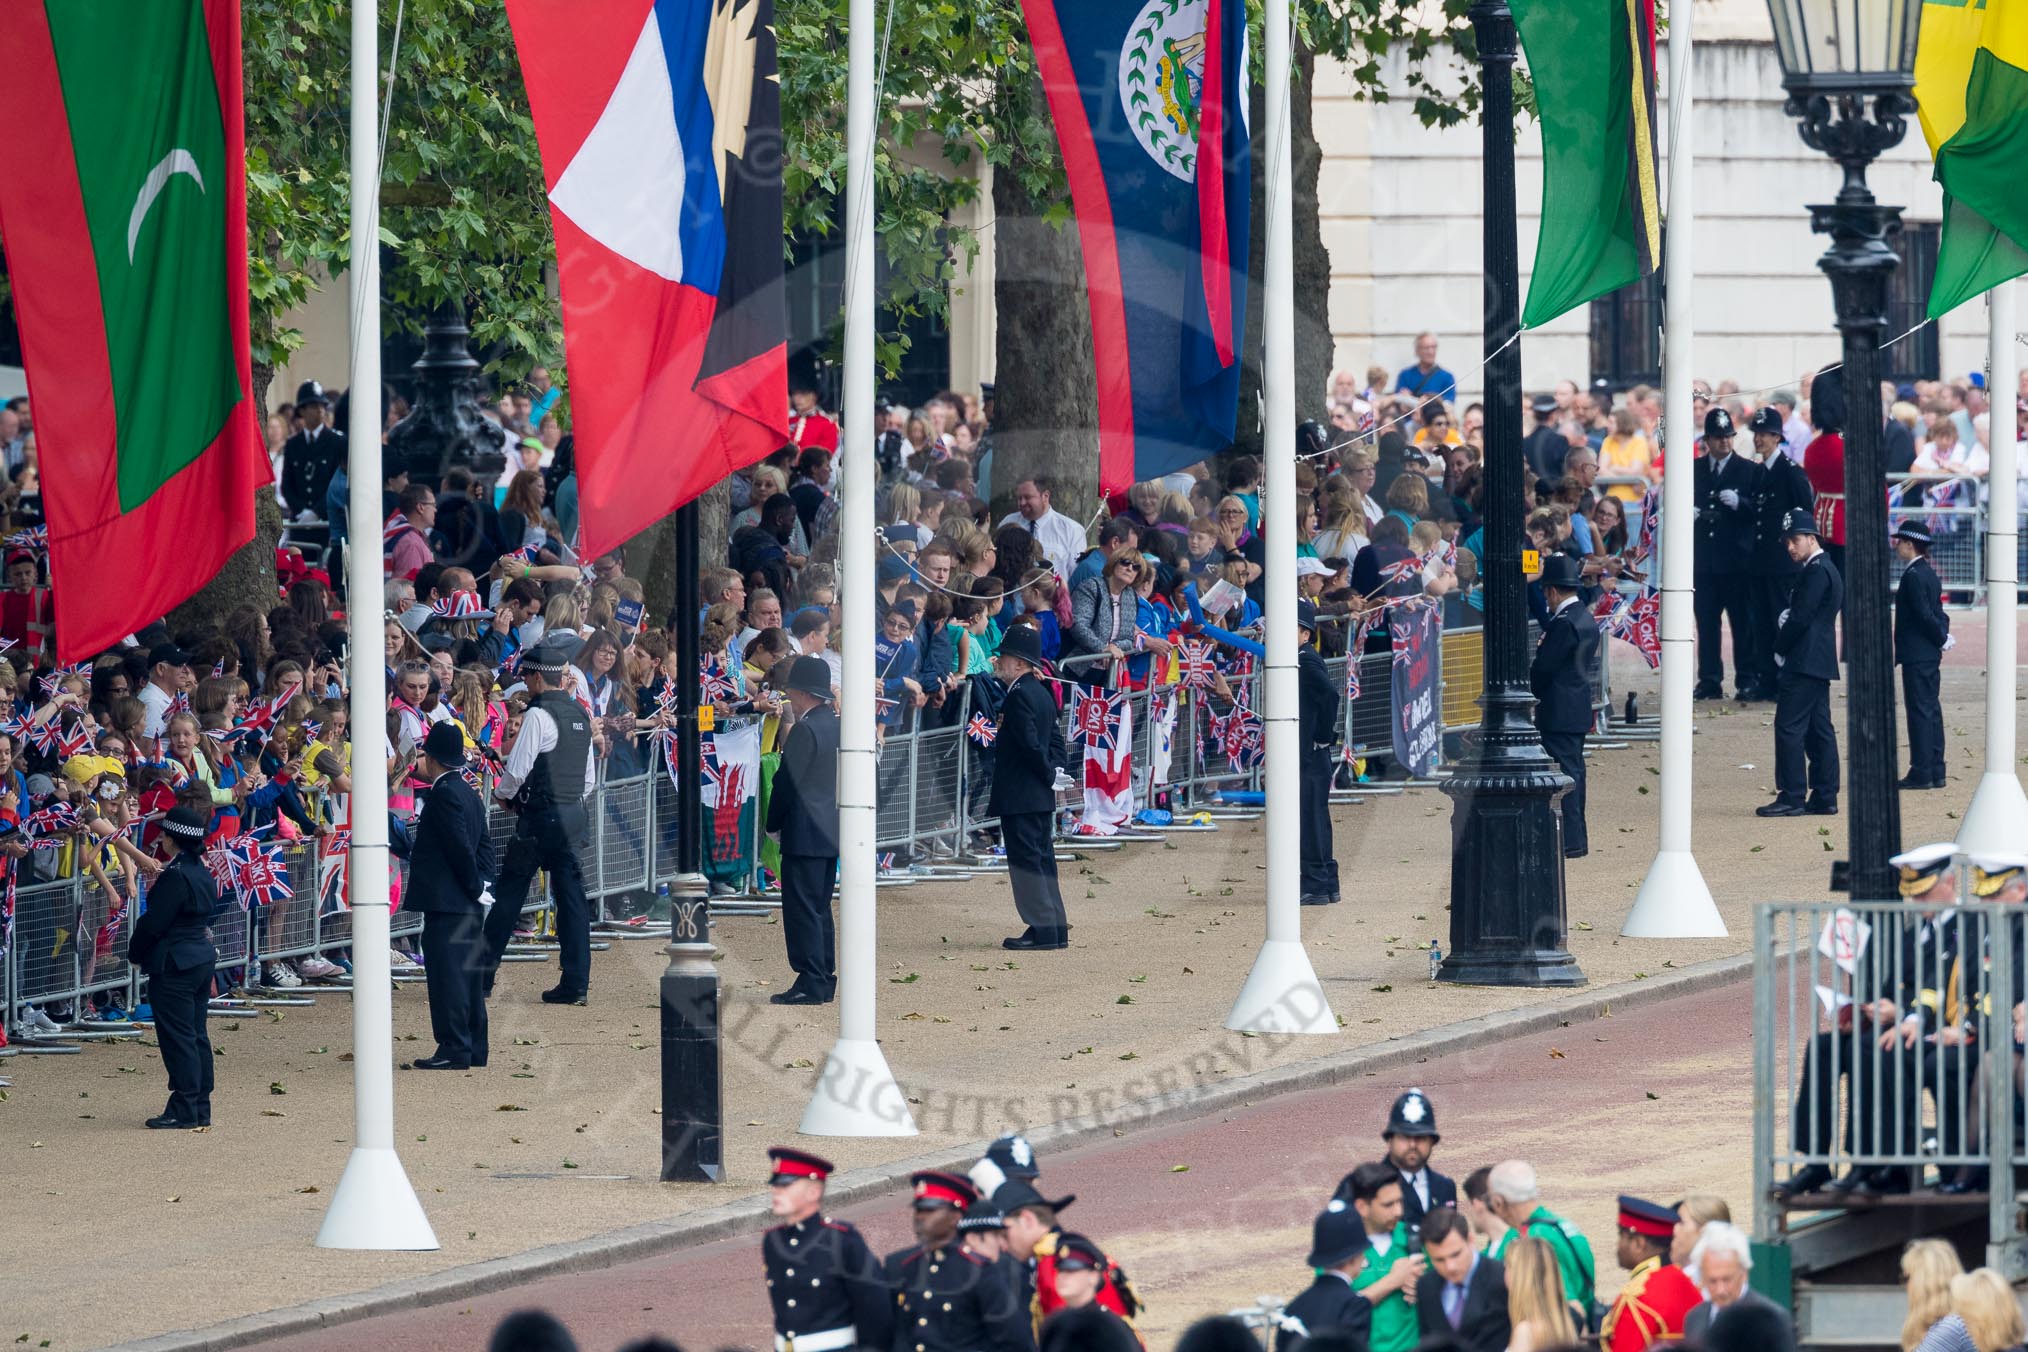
<point>1507,899</point>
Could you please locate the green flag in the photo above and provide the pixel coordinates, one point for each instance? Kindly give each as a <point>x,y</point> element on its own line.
<point>1972,91</point>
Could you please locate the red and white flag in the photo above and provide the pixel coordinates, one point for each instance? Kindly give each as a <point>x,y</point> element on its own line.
<point>1102,721</point>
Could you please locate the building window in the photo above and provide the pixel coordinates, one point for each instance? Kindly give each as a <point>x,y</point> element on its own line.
<point>1626,334</point>
<point>1916,356</point>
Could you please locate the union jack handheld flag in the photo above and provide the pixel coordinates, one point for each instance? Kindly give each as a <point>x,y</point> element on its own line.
<point>1651,523</point>
<point>982,730</point>
<point>1195,668</point>
<point>334,856</point>
<point>262,716</point>
<point>1095,718</point>
<point>714,684</point>
<point>1353,651</point>
<point>52,682</point>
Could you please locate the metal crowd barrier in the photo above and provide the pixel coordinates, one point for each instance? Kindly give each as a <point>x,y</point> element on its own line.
<point>935,785</point>
<point>1884,1040</point>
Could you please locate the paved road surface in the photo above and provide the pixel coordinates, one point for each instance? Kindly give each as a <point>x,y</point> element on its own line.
<point>1654,1102</point>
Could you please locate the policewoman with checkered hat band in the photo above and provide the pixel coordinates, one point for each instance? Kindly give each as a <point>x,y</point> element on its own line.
<point>549,773</point>
<point>1921,633</point>
<point>1727,488</point>
<point>172,944</point>
<point>827,1289</point>
<point>1806,654</point>
<point>1784,488</point>
<point>949,1297</point>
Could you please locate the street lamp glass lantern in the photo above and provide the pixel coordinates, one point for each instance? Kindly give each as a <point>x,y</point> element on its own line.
<point>1836,47</point>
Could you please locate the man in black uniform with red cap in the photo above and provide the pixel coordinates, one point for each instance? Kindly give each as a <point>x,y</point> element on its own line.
<point>827,1289</point>
<point>947,1297</point>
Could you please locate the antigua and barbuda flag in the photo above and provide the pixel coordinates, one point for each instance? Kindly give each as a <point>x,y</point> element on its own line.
<point>660,128</point>
<point>1149,98</point>
<point>123,209</point>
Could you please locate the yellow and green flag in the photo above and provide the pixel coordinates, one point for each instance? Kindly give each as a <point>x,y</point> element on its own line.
<point>1593,64</point>
<point>1971,91</point>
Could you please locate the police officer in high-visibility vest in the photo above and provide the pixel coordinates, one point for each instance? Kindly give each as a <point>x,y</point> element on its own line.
<point>549,774</point>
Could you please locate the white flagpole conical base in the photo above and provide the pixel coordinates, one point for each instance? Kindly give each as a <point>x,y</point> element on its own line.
<point>375,1207</point>
<point>1674,902</point>
<point>1282,994</point>
<point>1997,820</point>
<point>857,1095</point>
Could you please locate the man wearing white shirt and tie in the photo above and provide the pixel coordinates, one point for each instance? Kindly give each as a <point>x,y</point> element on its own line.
<point>1058,537</point>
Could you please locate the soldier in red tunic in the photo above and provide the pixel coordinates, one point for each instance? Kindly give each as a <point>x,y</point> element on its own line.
<point>1824,464</point>
<point>1658,1295</point>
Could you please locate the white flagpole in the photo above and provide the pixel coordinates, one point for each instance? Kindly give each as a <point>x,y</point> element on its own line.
<point>1674,901</point>
<point>1282,994</point>
<point>1997,820</point>
<point>373,1206</point>
<point>857,1094</point>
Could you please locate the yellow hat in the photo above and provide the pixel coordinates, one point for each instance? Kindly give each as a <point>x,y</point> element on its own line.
<point>86,768</point>
<point>1991,873</point>
<point>1922,866</point>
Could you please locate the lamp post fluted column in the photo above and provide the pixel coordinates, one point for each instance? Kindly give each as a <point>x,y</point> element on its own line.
<point>1508,921</point>
<point>1854,129</point>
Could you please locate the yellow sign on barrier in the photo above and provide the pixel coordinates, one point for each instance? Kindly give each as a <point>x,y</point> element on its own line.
<point>1531,562</point>
<point>1464,676</point>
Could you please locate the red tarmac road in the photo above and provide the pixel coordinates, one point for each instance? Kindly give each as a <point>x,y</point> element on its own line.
<point>1654,1101</point>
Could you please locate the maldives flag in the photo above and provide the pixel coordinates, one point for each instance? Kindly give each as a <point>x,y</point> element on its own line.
<point>660,128</point>
<point>1149,101</point>
<point>123,209</point>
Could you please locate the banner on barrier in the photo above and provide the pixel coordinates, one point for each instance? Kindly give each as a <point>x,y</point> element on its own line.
<point>1416,633</point>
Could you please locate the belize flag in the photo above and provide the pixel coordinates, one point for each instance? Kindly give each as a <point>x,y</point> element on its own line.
<point>660,128</point>
<point>1149,98</point>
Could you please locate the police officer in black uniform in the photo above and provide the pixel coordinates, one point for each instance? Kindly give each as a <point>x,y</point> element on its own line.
<point>1783,488</point>
<point>948,1298</point>
<point>1027,755</point>
<point>1806,650</point>
<point>827,1289</point>
<point>1727,488</point>
<point>1561,675</point>
<point>1317,713</point>
<point>1921,628</point>
<point>1410,1137</point>
<point>313,455</point>
<point>548,775</point>
<point>172,944</point>
<point>1330,1305</point>
<point>803,810</point>
<point>450,864</point>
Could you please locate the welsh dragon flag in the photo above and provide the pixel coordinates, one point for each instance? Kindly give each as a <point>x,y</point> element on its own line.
<point>731,794</point>
<point>123,212</point>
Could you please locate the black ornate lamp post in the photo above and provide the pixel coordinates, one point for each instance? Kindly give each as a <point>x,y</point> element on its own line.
<point>1507,905</point>
<point>1848,86</point>
<point>445,427</point>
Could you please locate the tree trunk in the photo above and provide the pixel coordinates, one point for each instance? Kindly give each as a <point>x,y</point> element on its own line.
<point>1314,345</point>
<point>651,555</point>
<point>1045,418</point>
<point>248,577</point>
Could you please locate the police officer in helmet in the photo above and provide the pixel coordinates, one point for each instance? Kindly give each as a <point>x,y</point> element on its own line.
<point>1727,488</point>
<point>1783,488</point>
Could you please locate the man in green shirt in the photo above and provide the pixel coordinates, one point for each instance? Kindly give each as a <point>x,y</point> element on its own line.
<point>1513,1195</point>
<point>1389,1277</point>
